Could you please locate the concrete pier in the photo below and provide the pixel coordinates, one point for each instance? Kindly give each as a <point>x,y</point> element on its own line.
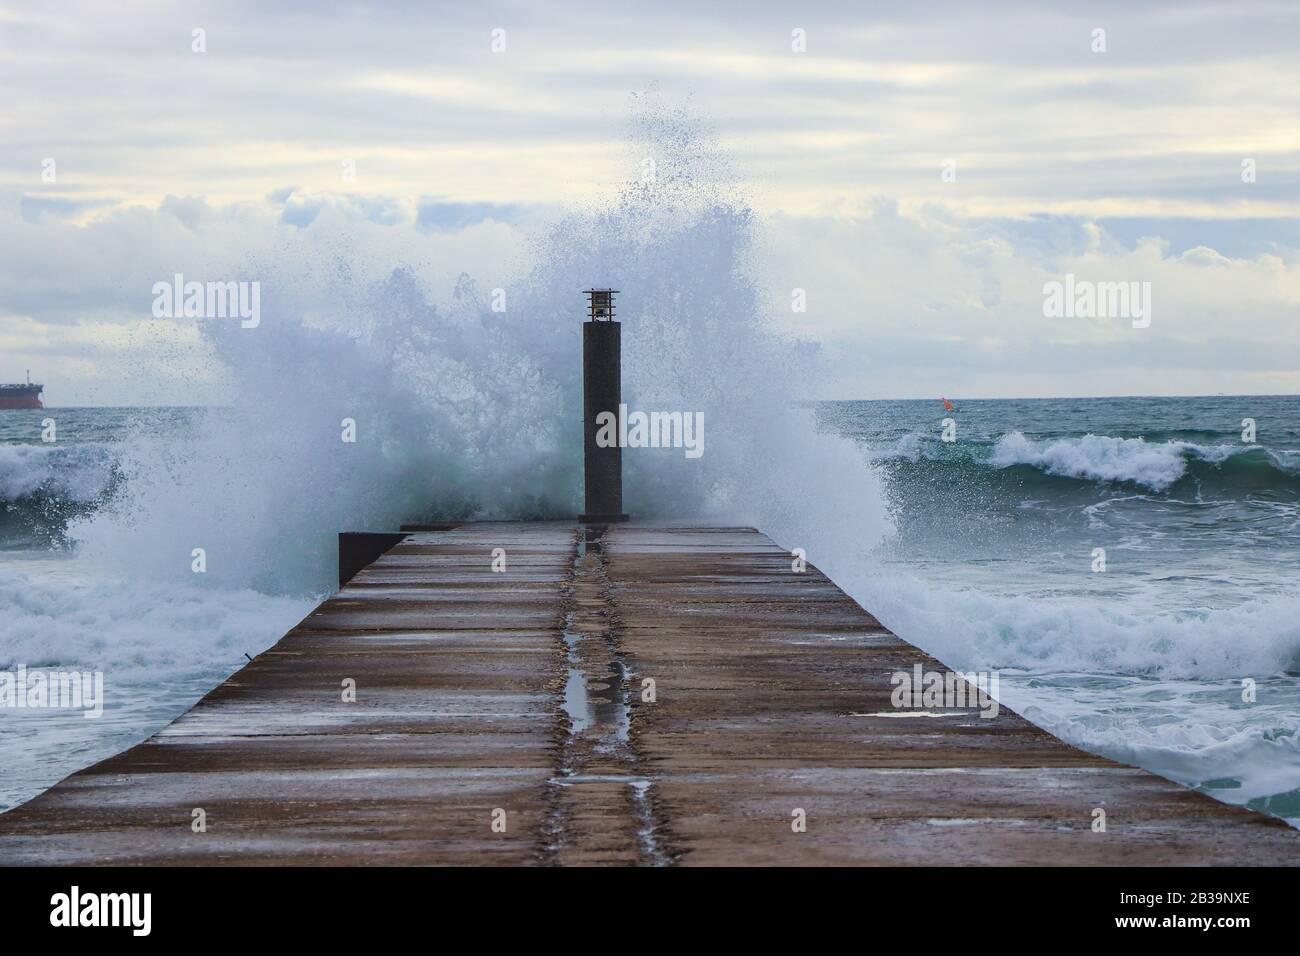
<point>632,695</point>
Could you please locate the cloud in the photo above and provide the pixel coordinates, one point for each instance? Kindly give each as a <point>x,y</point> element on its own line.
<point>907,303</point>
<point>77,298</point>
<point>301,208</point>
<point>453,216</point>
<point>1122,165</point>
<point>1036,122</point>
<point>913,304</point>
<point>35,208</point>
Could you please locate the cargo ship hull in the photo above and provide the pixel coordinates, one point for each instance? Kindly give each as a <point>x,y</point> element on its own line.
<point>20,396</point>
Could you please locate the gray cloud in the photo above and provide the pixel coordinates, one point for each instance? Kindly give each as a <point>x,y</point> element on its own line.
<point>1123,164</point>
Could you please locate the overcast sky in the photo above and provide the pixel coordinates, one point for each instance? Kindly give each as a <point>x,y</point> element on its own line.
<point>1125,164</point>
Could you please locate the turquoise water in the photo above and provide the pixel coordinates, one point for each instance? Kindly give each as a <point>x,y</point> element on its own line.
<point>992,566</point>
<point>161,641</point>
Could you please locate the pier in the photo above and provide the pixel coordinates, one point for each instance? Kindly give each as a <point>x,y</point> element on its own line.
<point>551,693</point>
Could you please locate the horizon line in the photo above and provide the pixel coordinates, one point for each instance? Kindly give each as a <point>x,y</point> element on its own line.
<point>935,398</point>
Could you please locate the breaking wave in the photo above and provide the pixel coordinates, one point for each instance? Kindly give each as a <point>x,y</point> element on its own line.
<point>1158,466</point>
<point>973,630</point>
<point>42,488</point>
<point>465,412</point>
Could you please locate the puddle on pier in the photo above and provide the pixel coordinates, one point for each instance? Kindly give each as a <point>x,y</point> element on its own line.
<point>592,701</point>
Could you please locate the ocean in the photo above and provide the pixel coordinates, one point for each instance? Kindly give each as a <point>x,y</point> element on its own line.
<point>994,565</point>
<point>985,554</point>
<point>161,642</point>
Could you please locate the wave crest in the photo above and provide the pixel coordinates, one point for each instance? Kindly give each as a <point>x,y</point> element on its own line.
<point>1102,459</point>
<point>43,487</point>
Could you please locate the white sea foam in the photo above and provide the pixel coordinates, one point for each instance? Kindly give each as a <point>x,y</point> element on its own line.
<point>1097,457</point>
<point>462,412</point>
<point>972,629</point>
<point>76,473</point>
<point>57,614</point>
<point>1156,690</point>
<point>1199,733</point>
<point>160,645</point>
<point>1155,465</point>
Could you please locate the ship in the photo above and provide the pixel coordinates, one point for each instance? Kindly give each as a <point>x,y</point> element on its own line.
<point>21,396</point>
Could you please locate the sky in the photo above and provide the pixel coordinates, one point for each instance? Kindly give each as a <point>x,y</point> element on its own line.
<point>918,170</point>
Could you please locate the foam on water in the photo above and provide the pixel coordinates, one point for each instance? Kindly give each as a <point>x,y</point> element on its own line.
<point>160,645</point>
<point>1113,674</point>
<point>1200,733</point>
<point>991,568</point>
<point>976,630</point>
<point>1155,465</point>
<point>80,474</point>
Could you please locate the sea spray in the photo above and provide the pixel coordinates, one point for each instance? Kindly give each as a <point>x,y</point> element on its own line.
<point>461,411</point>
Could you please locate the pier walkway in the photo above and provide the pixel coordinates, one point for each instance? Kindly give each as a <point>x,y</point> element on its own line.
<point>645,695</point>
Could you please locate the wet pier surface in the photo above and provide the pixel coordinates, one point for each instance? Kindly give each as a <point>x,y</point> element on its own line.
<point>639,696</point>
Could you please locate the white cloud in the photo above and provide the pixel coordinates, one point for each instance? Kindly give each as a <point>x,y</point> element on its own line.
<point>908,304</point>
